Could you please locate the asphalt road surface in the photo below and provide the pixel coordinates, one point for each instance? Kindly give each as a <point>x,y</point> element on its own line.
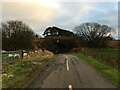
<point>70,72</point>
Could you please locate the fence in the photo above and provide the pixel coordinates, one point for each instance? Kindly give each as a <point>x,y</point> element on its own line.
<point>6,58</point>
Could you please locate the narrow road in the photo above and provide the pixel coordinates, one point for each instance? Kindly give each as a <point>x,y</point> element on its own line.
<point>70,72</point>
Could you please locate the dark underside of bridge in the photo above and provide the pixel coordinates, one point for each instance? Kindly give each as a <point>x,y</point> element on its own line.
<point>60,48</point>
<point>59,45</point>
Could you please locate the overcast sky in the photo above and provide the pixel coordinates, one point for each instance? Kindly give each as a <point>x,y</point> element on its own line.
<point>40,14</point>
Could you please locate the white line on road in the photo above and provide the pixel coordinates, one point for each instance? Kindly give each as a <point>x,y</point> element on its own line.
<point>67,64</point>
<point>70,87</point>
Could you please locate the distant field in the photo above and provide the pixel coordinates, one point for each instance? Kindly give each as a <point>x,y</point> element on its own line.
<point>110,56</point>
<point>112,53</point>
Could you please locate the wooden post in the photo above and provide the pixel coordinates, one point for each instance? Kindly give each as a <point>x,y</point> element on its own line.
<point>22,54</point>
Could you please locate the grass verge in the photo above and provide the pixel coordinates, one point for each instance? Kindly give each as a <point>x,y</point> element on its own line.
<point>111,73</point>
<point>22,73</point>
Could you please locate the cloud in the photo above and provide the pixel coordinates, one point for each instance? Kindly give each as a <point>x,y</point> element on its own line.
<point>40,14</point>
<point>71,12</point>
<point>106,13</point>
<point>32,13</point>
<point>61,0</point>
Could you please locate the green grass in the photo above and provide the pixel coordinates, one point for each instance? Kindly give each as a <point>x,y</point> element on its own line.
<point>110,73</point>
<point>18,70</point>
<point>105,53</point>
<point>24,72</point>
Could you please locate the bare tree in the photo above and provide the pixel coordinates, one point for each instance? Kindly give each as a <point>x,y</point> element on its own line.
<point>93,33</point>
<point>16,35</point>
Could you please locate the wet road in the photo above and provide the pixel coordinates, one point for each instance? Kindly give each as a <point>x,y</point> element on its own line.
<point>70,72</point>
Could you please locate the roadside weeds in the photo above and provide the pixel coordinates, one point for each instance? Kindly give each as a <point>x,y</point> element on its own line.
<point>111,73</point>
<point>22,73</point>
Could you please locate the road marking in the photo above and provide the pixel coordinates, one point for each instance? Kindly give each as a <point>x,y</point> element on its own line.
<point>67,65</point>
<point>70,87</point>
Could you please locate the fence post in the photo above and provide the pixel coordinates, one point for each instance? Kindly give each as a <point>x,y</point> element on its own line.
<point>21,54</point>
